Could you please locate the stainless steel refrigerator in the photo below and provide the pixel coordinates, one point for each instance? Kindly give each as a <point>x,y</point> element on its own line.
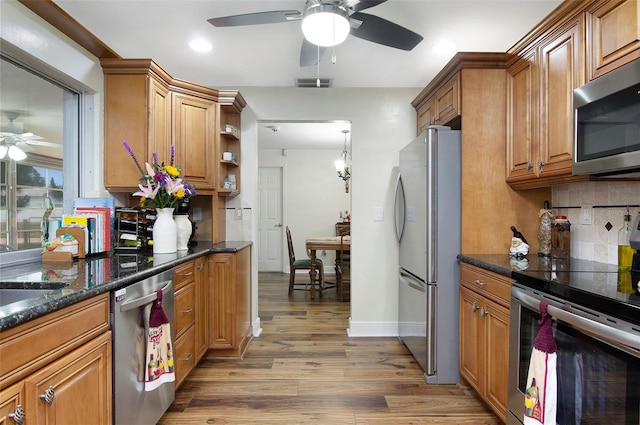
<point>427,220</point>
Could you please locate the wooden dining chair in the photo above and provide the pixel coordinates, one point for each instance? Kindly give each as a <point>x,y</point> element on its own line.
<point>343,274</point>
<point>303,264</point>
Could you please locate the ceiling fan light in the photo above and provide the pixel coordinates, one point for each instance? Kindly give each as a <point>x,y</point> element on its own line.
<point>3,151</point>
<point>16,153</point>
<point>325,24</point>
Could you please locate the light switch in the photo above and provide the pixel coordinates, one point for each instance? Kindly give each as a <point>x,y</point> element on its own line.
<point>378,214</point>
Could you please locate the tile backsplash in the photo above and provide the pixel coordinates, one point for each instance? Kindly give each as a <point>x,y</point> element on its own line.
<point>608,201</point>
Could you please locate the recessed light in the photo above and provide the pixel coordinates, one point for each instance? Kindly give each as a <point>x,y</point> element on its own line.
<point>444,46</point>
<point>200,45</point>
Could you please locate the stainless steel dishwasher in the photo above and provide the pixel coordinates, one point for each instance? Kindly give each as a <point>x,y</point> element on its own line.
<point>129,317</point>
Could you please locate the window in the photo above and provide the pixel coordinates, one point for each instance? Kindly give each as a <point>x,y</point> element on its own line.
<point>40,117</point>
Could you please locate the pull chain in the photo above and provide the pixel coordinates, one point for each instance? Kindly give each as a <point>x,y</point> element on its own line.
<point>318,69</point>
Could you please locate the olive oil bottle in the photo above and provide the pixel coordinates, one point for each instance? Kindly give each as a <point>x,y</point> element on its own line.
<point>625,252</point>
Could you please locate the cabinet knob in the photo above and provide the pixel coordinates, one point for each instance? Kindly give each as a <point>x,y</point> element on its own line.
<point>540,164</point>
<point>479,282</point>
<point>189,357</point>
<point>187,310</point>
<point>48,396</point>
<point>201,266</point>
<point>483,312</point>
<point>529,166</point>
<point>18,416</point>
<point>475,307</point>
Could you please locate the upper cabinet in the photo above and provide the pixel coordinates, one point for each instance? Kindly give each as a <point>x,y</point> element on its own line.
<point>151,110</point>
<point>229,147</point>
<point>441,107</point>
<point>137,108</point>
<point>613,35</point>
<point>577,42</point>
<point>194,123</point>
<point>540,84</point>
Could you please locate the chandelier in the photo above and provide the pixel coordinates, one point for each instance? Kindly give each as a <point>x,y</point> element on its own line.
<point>343,164</point>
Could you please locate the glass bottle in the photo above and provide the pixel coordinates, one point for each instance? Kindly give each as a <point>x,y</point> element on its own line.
<point>544,231</point>
<point>517,234</point>
<point>625,252</point>
<point>561,237</point>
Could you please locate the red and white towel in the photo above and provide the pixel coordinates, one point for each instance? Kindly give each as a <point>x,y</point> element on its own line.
<point>159,356</point>
<point>542,389</point>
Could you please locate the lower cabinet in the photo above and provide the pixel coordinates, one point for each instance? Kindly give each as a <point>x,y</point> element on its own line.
<point>484,335</point>
<point>230,303</point>
<point>185,319</point>
<point>57,369</point>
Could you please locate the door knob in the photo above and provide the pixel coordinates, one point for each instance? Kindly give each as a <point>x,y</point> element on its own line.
<point>278,225</point>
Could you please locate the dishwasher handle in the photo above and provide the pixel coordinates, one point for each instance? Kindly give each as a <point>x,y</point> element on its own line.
<point>144,300</point>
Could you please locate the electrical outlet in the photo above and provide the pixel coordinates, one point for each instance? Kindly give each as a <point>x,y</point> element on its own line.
<point>586,215</point>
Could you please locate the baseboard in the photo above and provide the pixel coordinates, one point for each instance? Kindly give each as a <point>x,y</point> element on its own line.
<point>372,329</point>
<point>257,330</point>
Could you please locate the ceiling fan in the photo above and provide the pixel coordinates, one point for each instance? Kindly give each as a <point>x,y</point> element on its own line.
<point>16,142</point>
<point>339,15</point>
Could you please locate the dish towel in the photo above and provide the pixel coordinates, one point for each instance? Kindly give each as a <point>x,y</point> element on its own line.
<point>159,358</point>
<point>542,393</point>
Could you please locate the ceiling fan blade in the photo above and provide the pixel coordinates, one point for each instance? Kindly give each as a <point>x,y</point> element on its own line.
<point>379,30</point>
<point>257,18</point>
<point>44,144</point>
<point>24,147</point>
<point>358,5</point>
<point>309,53</point>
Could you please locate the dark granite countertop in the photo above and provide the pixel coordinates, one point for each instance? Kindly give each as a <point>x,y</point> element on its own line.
<point>595,285</point>
<point>86,278</point>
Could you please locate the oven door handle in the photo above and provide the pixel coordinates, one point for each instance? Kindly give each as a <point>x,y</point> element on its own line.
<point>606,333</point>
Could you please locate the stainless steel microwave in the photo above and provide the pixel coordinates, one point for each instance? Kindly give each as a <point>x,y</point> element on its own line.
<point>607,123</point>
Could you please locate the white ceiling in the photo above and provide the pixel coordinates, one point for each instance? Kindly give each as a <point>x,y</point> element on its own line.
<point>268,55</point>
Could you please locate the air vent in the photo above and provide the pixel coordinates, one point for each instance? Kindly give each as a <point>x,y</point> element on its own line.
<point>313,82</point>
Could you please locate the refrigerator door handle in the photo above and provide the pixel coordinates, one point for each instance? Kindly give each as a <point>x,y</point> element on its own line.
<point>431,330</point>
<point>399,221</point>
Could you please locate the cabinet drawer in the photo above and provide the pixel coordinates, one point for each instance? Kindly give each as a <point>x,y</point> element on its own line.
<point>30,346</point>
<point>492,285</point>
<point>185,314</point>
<point>185,355</point>
<point>183,274</point>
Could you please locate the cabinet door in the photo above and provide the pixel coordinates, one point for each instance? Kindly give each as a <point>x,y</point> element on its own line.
<point>222,293</point>
<point>471,338</point>
<point>522,98</point>
<point>496,329</point>
<point>11,403</point>
<point>425,115</point>
<point>79,385</point>
<point>561,72</point>
<point>613,30</point>
<point>447,101</point>
<point>159,138</point>
<point>194,138</point>
<point>202,297</point>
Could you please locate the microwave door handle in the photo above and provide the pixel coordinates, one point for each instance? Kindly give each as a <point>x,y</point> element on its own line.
<point>144,300</point>
<point>617,337</point>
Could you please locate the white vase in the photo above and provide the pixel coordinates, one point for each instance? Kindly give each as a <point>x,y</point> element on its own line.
<point>165,239</point>
<point>184,231</point>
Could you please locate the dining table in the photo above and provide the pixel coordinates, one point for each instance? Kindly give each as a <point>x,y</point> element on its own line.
<point>327,243</point>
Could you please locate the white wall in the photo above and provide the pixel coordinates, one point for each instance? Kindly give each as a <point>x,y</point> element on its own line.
<point>314,196</point>
<point>383,121</point>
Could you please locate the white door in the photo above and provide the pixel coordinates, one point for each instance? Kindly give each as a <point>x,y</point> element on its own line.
<point>270,234</point>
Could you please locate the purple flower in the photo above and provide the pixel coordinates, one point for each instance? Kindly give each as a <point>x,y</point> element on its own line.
<point>173,154</point>
<point>128,148</point>
<point>155,158</point>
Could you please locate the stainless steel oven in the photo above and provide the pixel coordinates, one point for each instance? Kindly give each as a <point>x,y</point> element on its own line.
<point>598,361</point>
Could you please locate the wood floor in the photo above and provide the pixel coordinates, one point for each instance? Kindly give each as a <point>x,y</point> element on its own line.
<point>304,369</point>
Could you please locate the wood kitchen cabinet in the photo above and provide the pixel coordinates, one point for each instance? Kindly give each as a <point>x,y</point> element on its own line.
<point>540,84</point>
<point>613,35</point>
<point>185,312</point>
<point>137,108</point>
<point>229,143</point>
<point>484,335</point>
<point>482,124</point>
<point>67,352</point>
<point>194,124</point>
<point>442,107</point>
<point>230,303</point>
